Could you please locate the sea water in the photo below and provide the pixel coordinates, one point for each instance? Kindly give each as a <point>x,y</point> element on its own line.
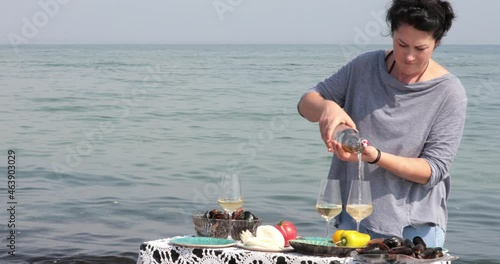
<point>117,145</point>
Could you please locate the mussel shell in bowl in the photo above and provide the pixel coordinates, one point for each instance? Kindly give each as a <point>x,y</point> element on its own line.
<point>206,227</point>
<point>221,228</point>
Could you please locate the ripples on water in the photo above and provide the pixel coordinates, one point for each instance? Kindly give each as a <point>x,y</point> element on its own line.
<point>143,133</point>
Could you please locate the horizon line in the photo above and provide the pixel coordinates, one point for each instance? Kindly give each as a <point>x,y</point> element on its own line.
<point>343,44</point>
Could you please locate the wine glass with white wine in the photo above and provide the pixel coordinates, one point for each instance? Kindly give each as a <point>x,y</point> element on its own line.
<point>329,203</point>
<point>230,197</point>
<point>359,204</point>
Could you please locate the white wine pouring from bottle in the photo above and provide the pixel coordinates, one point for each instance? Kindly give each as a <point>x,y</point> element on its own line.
<point>351,141</point>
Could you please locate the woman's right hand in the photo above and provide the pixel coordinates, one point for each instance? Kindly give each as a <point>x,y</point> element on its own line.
<point>330,118</point>
<point>329,114</point>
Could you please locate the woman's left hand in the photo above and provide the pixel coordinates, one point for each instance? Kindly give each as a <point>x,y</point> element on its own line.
<point>369,154</point>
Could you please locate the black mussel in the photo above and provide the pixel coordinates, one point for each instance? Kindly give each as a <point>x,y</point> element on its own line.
<point>209,213</point>
<point>408,243</point>
<point>248,216</point>
<point>419,241</point>
<point>215,214</point>
<point>241,214</point>
<point>206,214</point>
<point>402,250</point>
<point>394,241</point>
<point>418,249</point>
<point>432,253</point>
<point>220,216</point>
<point>238,214</point>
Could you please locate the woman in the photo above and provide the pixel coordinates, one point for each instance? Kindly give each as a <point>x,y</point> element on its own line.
<point>408,106</point>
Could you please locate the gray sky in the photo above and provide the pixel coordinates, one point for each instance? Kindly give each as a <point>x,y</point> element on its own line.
<point>224,21</point>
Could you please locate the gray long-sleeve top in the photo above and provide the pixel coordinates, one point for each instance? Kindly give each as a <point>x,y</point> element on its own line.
<point>423,119</point>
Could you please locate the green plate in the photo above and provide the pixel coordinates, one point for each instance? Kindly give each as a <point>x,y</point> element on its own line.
<point>319,239</point>
<point>203,242</point>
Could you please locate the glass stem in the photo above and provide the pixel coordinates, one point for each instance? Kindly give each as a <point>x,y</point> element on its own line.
<point>230,229</point>
<point>327,228</point>
<point>357,225</point>
<point>229,236</point>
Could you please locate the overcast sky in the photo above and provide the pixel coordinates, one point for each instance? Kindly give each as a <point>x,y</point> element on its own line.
<point>224,21</point>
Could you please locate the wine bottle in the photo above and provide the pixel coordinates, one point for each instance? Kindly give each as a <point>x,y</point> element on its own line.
<point>351,139</point>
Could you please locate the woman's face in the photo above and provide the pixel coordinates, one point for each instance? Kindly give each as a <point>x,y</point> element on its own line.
<point>412,49</point>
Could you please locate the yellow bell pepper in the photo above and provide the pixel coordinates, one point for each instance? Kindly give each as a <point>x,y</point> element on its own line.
<point>337,235</point>
<point>355,239</point>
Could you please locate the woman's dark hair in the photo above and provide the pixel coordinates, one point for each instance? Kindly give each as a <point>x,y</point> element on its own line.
<point>433,16</point>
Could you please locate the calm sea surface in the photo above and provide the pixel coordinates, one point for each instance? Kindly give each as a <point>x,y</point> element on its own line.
<point>117,145</point>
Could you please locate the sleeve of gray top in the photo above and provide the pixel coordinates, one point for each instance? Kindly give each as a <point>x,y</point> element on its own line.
<point>334,87</point>
<point>445,136</point>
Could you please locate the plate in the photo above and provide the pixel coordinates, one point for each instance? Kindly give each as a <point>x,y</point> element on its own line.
<point>254,248</point>
<point>319,247</point>
<point>397,258</point>
<point>323,239</point>
<point>205,242</point>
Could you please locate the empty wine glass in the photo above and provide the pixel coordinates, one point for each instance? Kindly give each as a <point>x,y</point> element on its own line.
<point>230,197</point>
<point>329,203</point>
<point>359,204</point>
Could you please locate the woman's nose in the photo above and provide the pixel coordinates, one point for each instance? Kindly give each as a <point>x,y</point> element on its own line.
<point>410,56</point>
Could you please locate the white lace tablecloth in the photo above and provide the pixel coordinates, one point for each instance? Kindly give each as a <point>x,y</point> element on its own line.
<point>162,252</point>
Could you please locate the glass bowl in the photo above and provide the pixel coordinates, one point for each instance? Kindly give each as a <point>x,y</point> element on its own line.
<point>238,226</point>
<point>221,228</point>
<point>206,227</point>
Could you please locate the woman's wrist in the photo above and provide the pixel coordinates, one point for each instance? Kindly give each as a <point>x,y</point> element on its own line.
<point>379,154</point>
